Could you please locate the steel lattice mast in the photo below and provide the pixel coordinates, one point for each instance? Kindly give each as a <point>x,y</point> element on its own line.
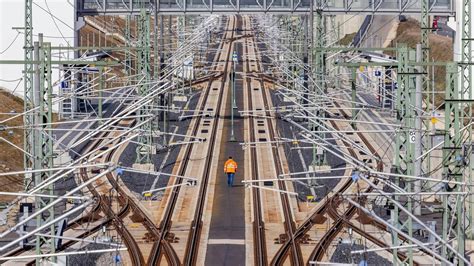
<point>404,148</point>
<point>145,141</point>
<point>457,133</point>
<point>44,142</point>
<point>454,163</point>
<point>457,150</point>
<point>28,92</point>
<point>319,157</point>
<point>467,93</point>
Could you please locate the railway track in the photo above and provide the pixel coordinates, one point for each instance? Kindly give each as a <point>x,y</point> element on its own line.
<point>299,233</point>
<point>161,236</point>
<point>295,254</point>
<point>192,245</point>
<point>80,221</point>
<point>259,243</point>
<point>195,228</point>
<point>130,209</point>
<point>333,203</point>
<point>88,218</point>
<point>157,234</point>
<point>346,221</point>
<point>123,200</point>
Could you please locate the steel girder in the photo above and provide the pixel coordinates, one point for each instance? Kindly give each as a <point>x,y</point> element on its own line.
<point>179,7</point>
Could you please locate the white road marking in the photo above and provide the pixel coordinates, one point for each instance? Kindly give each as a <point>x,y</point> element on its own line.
<point>226,242</point>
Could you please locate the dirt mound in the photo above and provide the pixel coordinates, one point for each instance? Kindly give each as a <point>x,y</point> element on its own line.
<point>10,158</point>
<point>441,50</point>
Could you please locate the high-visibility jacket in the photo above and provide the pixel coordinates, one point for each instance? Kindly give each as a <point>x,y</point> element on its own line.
<point>230,166</point>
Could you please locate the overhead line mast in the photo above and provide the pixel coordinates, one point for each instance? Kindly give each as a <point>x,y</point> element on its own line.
<point>28,93</point>
<point>145,141</point>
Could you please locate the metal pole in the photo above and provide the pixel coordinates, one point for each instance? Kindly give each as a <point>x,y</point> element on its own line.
<point>354,96</point>
<point>37,135</point>
<point>234,104</point>
<point>466,93</point>
<point>454,162</point>
<point>43,139</point>
<point>28,119</point>
<point>426,99</point>
<point>162,65</point>
<point>418,129</point>
<point>145,141</point>
<point>101,88</point>
<point>404,149</point>
<point>232,137</point>
<point>319,158</point>
<point>128,52</point>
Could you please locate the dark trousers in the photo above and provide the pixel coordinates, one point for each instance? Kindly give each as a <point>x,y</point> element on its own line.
<point>230,179</point>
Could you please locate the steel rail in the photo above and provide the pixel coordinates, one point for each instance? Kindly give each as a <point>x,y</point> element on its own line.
<point>165,225</point>
<point>106,207</point>
<point>77,222</point>
<point>308,223</point>
<point>88,218</point>
<point>296,257</point>
<point>344,220</point>
<point>259,243</point>
<point>156,234</point>
<point>192,245</point>
<point>125,200</point>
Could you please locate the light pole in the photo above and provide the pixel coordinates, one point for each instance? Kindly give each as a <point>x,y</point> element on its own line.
<point>234,105</point>
<point>234,61</point>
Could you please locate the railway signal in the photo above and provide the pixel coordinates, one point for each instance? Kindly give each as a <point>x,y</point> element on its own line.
<point>234,57</point>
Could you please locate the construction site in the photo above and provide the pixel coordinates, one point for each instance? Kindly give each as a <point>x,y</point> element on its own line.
<point>239,132</point>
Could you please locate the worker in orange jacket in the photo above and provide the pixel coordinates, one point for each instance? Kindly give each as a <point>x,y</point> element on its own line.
<point>230,167</point>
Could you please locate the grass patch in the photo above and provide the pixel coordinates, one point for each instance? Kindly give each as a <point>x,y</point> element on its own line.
<point>347,39</point>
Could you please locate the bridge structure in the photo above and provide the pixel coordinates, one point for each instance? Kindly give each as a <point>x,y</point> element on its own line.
<point>341,148</point>
<point>117,7</point>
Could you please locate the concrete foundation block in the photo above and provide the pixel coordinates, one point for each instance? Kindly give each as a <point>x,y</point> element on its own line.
<point>180,98</point>
<point>62,158</point>
<point>319,168</point>
<point>287,99</point>
<point>144,166</point>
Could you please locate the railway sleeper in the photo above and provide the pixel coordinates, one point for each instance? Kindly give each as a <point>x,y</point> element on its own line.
<point>318,219</point>
<point>364,218</point>
<point>149,237</point>
<point>282,238</point>
<point>137,218</point>
<point>171,237</point>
